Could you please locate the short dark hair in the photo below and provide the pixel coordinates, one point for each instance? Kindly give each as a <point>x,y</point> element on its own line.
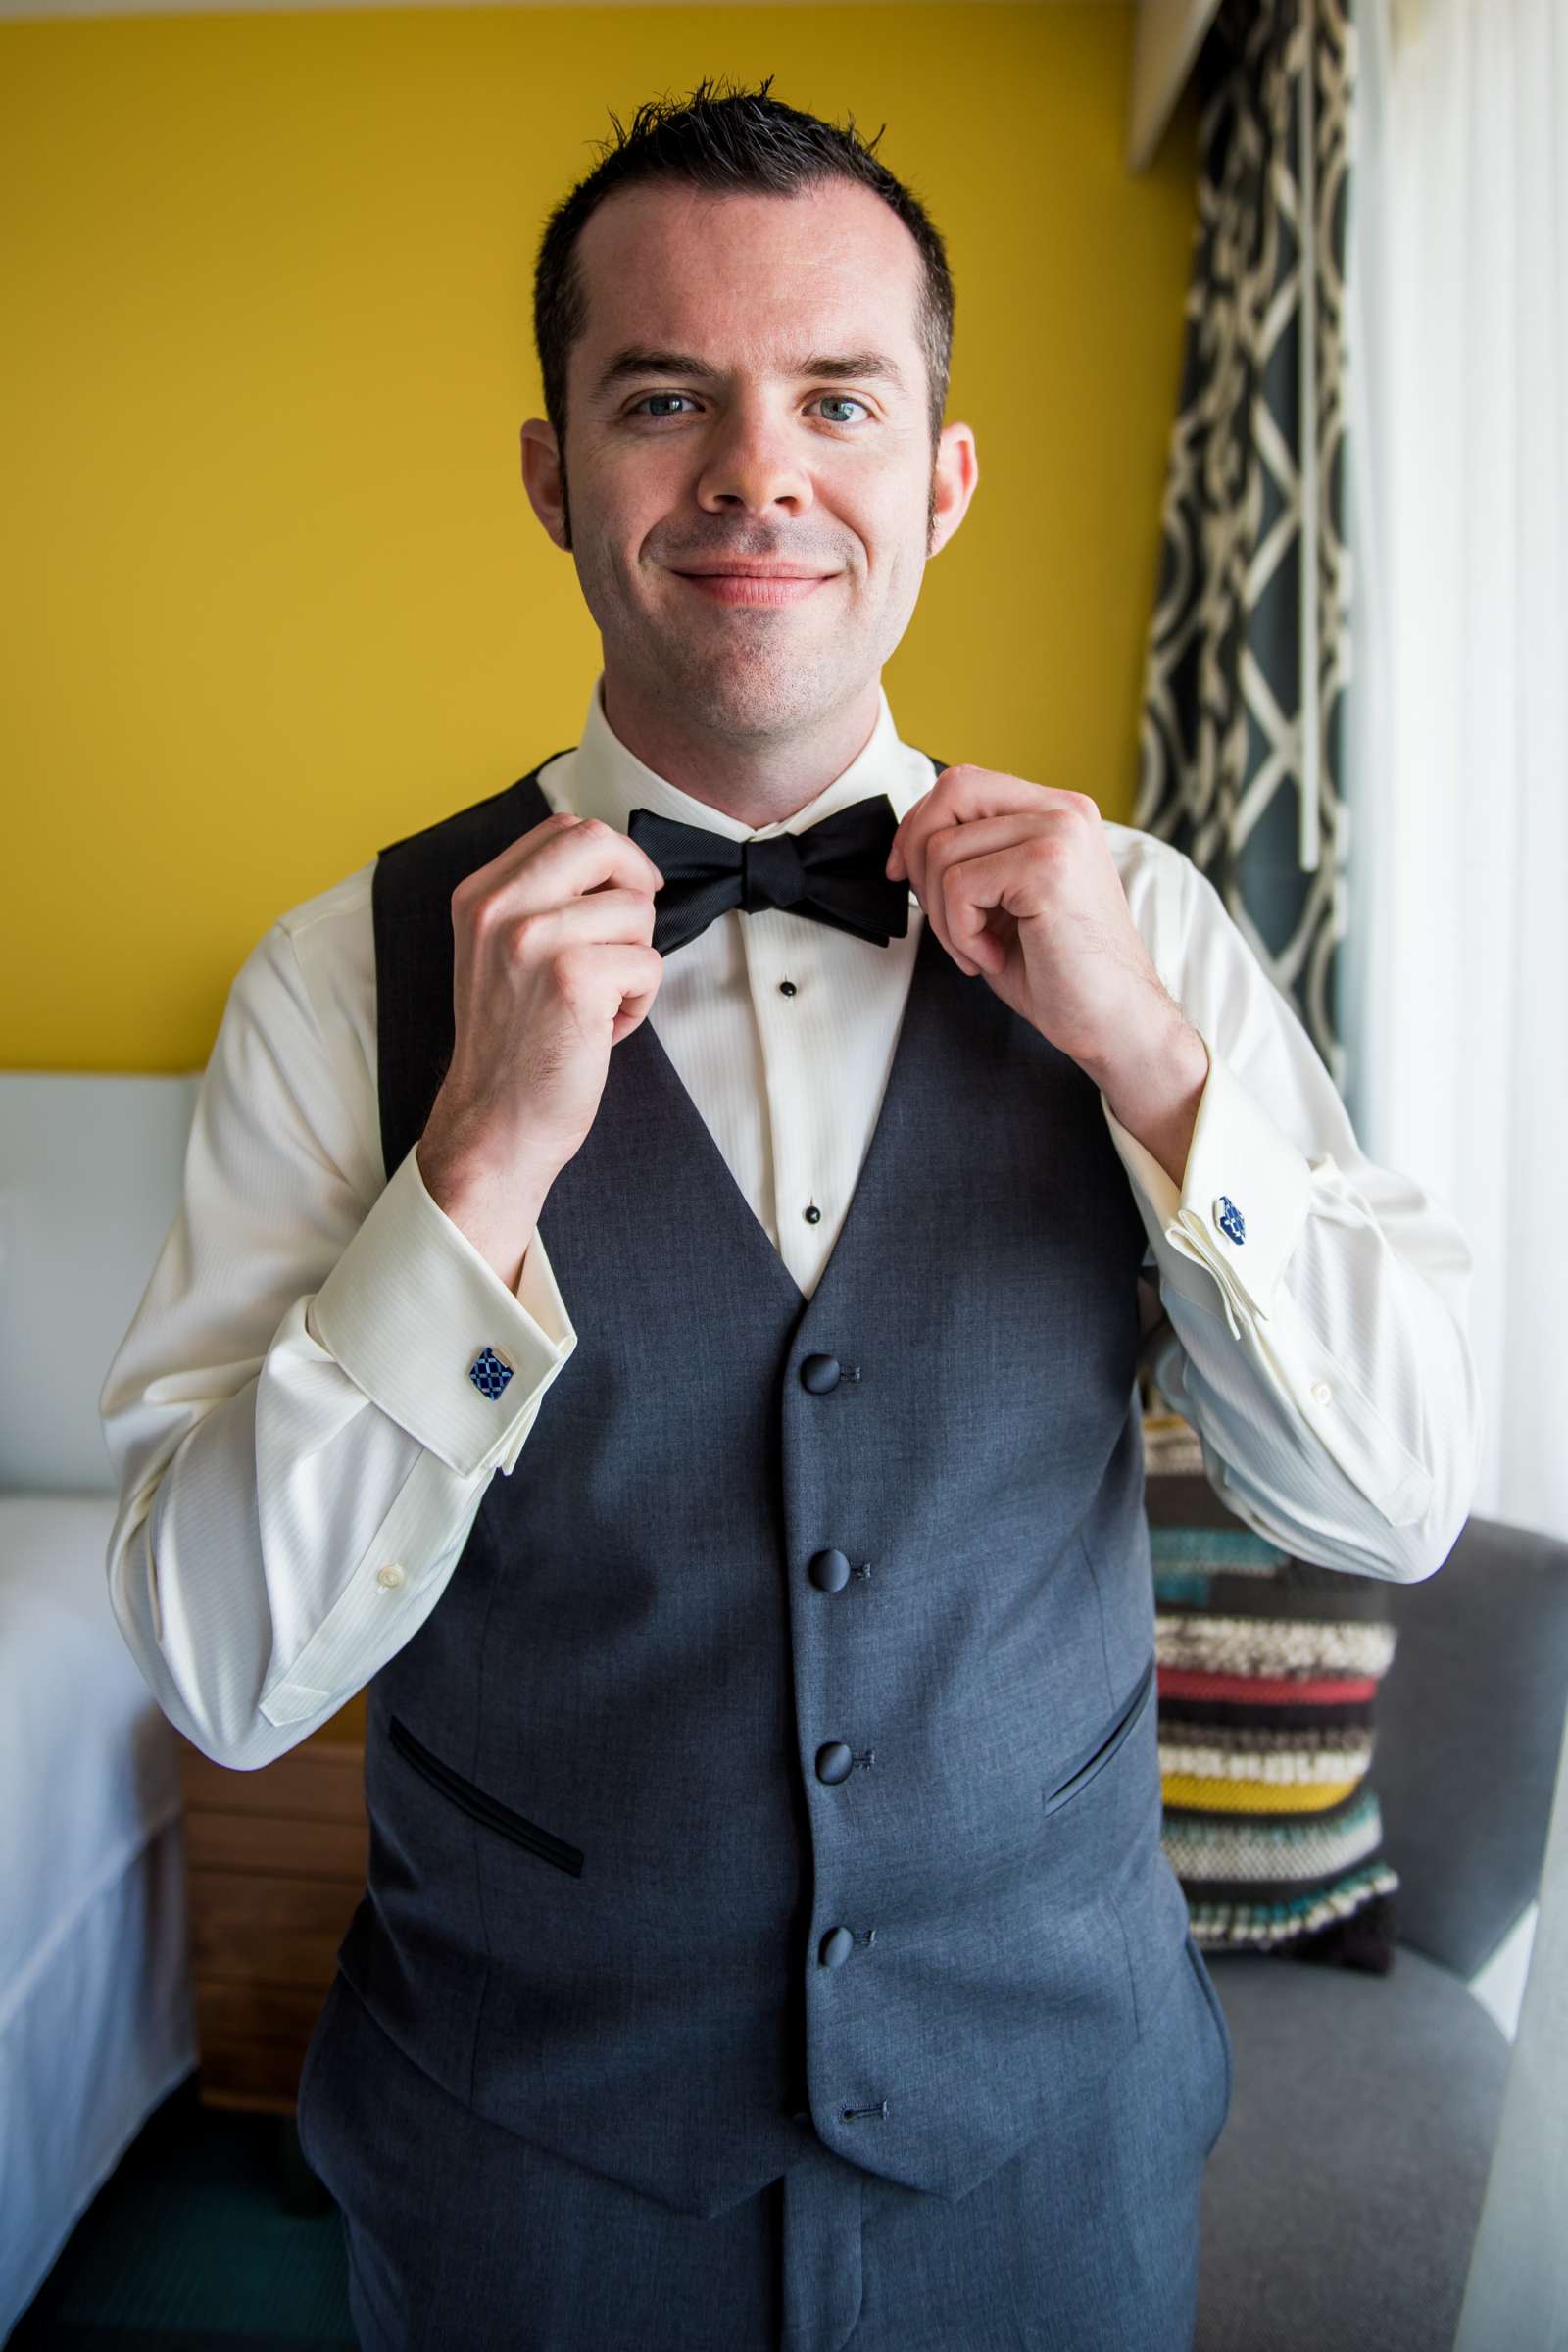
<point>739,143</point>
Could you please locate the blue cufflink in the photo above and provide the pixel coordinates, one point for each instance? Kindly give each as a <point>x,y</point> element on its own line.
<point>489,1372</point>
<point>1228,1217</point>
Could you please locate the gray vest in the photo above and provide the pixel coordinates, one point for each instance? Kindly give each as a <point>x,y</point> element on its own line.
<point>780,1758</point>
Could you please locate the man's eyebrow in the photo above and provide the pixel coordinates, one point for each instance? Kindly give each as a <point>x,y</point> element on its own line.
<point>636,360</point>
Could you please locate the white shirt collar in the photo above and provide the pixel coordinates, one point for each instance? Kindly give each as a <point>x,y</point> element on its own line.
<point>601,778</point>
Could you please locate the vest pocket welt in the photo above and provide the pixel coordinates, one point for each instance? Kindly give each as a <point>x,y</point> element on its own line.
<point>482,1805</point>
<point>1099,1758</point>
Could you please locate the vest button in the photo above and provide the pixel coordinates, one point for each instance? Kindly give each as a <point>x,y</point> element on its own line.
<point>829,1571</point>
<point>819,1373</point>
<point>837,1946</point>
<point>833,1762</point>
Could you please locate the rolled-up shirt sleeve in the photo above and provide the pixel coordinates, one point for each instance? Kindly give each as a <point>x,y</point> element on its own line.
<point>1314,1304</point>
<point>299,1446</point>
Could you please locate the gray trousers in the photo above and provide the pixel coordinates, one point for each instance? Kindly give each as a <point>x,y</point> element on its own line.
<point>461,2237</point>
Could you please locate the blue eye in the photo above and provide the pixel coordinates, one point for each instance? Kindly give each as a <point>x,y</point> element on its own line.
<point>839,400</point>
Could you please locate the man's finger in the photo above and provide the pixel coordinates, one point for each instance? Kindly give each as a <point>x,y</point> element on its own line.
<point>960,795</point>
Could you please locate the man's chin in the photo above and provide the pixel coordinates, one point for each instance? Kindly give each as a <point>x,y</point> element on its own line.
<point>736,674</point>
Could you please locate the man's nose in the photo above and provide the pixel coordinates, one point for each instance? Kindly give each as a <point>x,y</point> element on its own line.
<point>754,460</point>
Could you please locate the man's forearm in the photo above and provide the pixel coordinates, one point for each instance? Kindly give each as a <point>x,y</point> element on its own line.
<point>1156,1090</point>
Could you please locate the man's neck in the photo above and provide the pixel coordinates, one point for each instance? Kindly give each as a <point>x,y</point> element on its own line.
<point>757,784</point>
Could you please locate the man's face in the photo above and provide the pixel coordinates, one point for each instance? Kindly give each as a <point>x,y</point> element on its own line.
<point>739,450</point>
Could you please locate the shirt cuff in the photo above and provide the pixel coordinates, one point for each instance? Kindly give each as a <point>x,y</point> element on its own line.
<point>1244,1198</point>
<point>410,1305</point>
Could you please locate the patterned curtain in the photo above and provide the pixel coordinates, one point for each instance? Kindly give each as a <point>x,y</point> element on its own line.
<point>1249,649</point>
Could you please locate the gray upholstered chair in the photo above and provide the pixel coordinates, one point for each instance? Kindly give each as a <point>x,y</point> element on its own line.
<point>1342,2202</point>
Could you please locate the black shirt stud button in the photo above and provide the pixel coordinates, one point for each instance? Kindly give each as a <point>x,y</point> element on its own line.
<point>829,1571</point>
<point>786,988</point>
<point>813,1215</point>
<point>819,1374</point>
<point>834,1763</point>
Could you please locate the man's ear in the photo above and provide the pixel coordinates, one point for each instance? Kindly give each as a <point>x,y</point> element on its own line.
<point>542,477</point>
<point>954,478</point>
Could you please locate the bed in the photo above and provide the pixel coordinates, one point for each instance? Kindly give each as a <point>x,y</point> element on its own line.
<point>97,2022</point>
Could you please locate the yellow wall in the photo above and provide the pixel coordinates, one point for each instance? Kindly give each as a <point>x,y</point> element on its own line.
<point>274,595</point>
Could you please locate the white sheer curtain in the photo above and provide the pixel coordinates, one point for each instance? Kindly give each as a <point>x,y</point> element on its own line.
<point>1456,975</point>
<point>1457,748</point>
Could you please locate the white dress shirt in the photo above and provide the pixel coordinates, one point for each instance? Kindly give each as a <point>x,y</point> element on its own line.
<point>301,1452</point>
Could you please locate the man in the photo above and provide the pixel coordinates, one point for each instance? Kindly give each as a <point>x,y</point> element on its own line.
<point>767,1938</point>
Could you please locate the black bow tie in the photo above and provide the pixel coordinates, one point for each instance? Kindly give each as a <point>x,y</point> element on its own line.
<point>833,871</point>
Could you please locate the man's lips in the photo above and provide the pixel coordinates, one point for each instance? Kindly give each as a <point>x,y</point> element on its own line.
<point>755,588</point>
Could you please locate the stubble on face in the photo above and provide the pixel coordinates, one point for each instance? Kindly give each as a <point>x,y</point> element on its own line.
<point>769,470</point>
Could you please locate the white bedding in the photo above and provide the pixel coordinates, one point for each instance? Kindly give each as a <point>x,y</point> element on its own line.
<point>96,2018</point>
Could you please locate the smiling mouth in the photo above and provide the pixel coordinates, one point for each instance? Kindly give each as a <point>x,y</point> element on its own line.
<point>754,588</point>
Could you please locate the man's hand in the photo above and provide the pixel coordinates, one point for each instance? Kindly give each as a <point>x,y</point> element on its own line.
<point>553,964</point>
<point>1018,883</point>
